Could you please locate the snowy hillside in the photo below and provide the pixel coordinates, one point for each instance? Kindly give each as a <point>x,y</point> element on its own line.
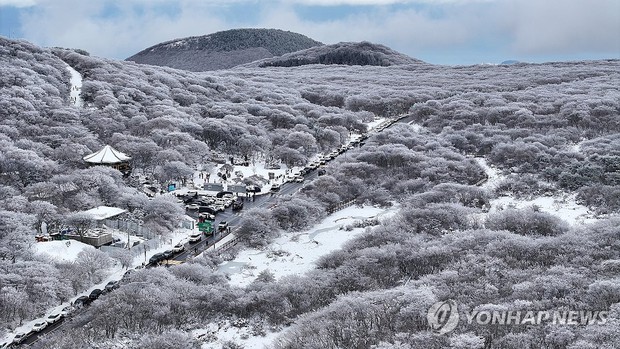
<point>345,53</point>
<point>223,50</point>
<point>495,188</point>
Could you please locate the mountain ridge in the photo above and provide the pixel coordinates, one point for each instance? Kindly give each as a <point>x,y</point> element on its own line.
<point>224,49</point>
<point>344,53</point>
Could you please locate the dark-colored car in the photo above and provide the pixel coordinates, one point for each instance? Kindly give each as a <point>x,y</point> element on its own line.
<point>127,276</point>
<point>167,254</point>
<point>321,172</point>
<point>237,205</point>
<point>156,258</point>
<point>111,286</point>
<point>82,300</point>
<point>94,294</point>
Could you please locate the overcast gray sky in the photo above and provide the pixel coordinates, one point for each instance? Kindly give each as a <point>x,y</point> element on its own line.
<point>436,31</point>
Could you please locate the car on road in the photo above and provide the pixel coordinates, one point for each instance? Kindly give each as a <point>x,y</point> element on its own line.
<point>275,187</point>
<point>195,237</point>
<point>127,276</point>
<point>204,216</point>
<point>39,326</point>
<point>53,318</point>
<point>156,258</point>
<point>180,247</point>
<point>67,310</point>
<point>207,209</point>
<point>222,226</point>
<point>81,300</point>
<point>321,172</point>
<point>192,207</point>
<point>219,207</point>
<point>299,179</point>
<point>20,337</point>
<point>94,294</point>
<point>111,286</point>
<point>252,188</point>
<point>237,205</point>
<point>168,254</point>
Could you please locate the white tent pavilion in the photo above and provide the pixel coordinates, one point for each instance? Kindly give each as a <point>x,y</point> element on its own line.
<point>111,157</point>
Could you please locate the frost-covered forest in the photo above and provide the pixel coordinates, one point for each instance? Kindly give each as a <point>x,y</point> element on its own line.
<point>551,128</point>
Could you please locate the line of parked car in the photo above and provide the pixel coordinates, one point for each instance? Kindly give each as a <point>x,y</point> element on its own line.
<point>208,205</point>
<point>43,323</point>
<point>96,293</point>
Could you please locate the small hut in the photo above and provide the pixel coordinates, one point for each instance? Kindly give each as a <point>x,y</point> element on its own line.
<point>109,156</point>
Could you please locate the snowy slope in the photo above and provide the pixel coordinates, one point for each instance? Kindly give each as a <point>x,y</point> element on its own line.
<point>296,252</point>
<point>76,87</point>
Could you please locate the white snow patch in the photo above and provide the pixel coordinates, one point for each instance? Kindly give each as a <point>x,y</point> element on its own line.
<point>563,207</point>
<point>218,334</point>
<point>65,250</point>
<point>416,127</point>
<point>493,174</point>
<point>296,253</point>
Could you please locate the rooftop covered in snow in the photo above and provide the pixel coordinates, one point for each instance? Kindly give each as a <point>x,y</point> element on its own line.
<point>107,155</point>
<point>104,212</point>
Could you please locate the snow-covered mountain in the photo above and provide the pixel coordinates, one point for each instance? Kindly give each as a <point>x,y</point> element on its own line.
<point>223,49</point>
